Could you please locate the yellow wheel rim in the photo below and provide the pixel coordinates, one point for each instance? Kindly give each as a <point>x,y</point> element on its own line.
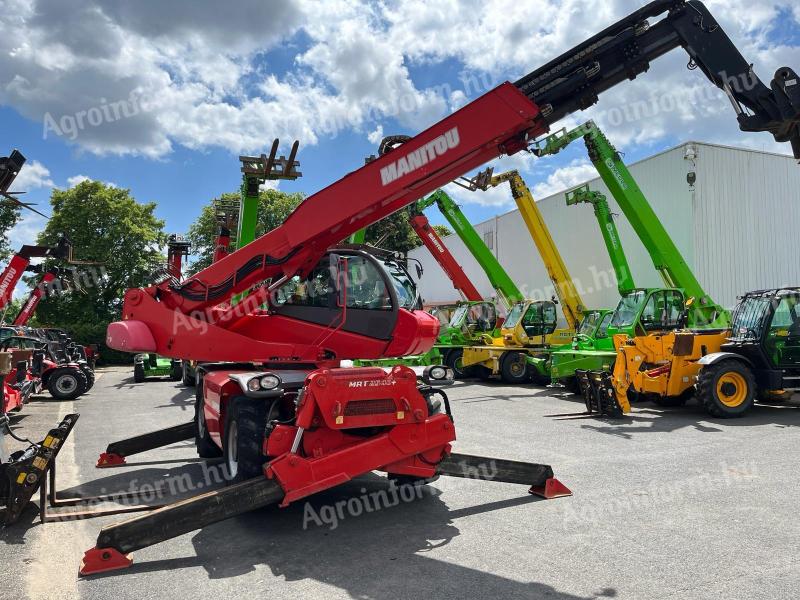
<point>731,389</point>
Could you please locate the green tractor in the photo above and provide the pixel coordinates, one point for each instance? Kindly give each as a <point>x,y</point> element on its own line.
<point>152,365</point>
<point>761,358</point>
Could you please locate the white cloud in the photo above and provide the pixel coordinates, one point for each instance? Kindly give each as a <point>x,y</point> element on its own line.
<point>202,86</point>
<point>33,175</point>
<point>564,178</point>
<point>376,135</point>
<point>76,179</point>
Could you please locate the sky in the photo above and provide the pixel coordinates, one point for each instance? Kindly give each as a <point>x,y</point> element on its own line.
<point>162,97</point>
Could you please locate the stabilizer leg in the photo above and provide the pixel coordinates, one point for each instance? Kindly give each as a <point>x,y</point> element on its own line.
<point>539,477</point>
<point>116,542</point>
<point>116,452</point>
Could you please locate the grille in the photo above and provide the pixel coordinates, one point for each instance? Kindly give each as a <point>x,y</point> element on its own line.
<point>360,408</point>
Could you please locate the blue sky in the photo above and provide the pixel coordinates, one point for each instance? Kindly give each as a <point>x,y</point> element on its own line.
<point>336,75</point>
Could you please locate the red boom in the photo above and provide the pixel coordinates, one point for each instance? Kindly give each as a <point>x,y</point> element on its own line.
<point>181,322</point>
<point>445,259</point>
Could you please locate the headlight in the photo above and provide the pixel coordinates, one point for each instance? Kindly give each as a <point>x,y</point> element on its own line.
<point>438,373</point>
<point>253,385</point>
<point>270,382</point>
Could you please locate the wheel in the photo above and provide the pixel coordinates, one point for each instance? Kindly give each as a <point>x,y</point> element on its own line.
<point>176,371</point>
<point>206,448</point>
<point>453,359</point>
<point>89,374</point>
<point>138,372</point>
<point>726,389</point>
<point>187,377</point>
<point>514,368</point>
<point>66,384</point>
<point>243,439</point>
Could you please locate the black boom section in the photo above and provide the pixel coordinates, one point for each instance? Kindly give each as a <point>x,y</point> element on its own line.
<point>494,469</point>
<point>574,80</point>
<point>185,516</point>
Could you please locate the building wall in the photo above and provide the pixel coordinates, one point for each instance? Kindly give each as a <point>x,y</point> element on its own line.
<point>733,227</point>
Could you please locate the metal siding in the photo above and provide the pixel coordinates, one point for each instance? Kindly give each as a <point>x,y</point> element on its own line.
<point>747,215</point>
<point>731,251</point>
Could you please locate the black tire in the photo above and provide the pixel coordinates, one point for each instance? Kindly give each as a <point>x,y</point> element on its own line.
<point>242,443</point>
<point>206,448</point>
<point>726,389</point>
<point>176,371</point>
<point>89,374</point>
<point>138,373</point>
<point>66,384</point>
<point>453,360</point>
<point>514,368</point>
<point>670,401</point>
<point>187,378</point>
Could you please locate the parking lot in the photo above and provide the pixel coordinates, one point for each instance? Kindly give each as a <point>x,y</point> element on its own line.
<point>666,504</point>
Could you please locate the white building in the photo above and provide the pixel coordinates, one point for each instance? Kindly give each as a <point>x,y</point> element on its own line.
<point>737,226</point>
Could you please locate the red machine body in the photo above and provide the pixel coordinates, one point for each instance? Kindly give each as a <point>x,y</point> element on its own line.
<point>27,310</point>
<point>446,260</point>
<point>20,263</point>
<point>181,321</point>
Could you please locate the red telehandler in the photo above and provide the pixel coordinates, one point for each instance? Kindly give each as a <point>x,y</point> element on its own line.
<point>288,421</point>
<point>26,312</point>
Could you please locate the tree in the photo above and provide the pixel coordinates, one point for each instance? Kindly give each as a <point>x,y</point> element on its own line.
<point>9,216</point>
<point>107,226</point>
<point>273,208</point>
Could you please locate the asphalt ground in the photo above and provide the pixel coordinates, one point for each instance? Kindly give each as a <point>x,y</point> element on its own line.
<point>667,503</point>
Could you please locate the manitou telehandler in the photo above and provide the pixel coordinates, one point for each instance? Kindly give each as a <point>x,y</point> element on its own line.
<point>287,420</point>
<point>658,333</point>
<point>150,364</point>
<point>65,376</point>
<point>530,331</point>
<point>592,348</point>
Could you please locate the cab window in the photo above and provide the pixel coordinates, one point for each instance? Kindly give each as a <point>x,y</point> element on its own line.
<point>602,330</point>
<point>365,287</point>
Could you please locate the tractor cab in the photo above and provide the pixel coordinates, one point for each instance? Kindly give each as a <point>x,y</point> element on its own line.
<point>592,333</point>
<point>530,323</point>
<point>474,318</point>
<point>648,310</point>
<point>352,290</point>
<point>765,330</point>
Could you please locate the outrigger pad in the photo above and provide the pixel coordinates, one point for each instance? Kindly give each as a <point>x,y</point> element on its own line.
<point>26,470</point>
<point>109,460</point>
<point>100,560</point>
<point>552,488</point>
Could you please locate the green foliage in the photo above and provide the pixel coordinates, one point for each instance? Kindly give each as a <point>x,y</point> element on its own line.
<point>273,208</point>
<point>9,216</point>
<point>105,225</point>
